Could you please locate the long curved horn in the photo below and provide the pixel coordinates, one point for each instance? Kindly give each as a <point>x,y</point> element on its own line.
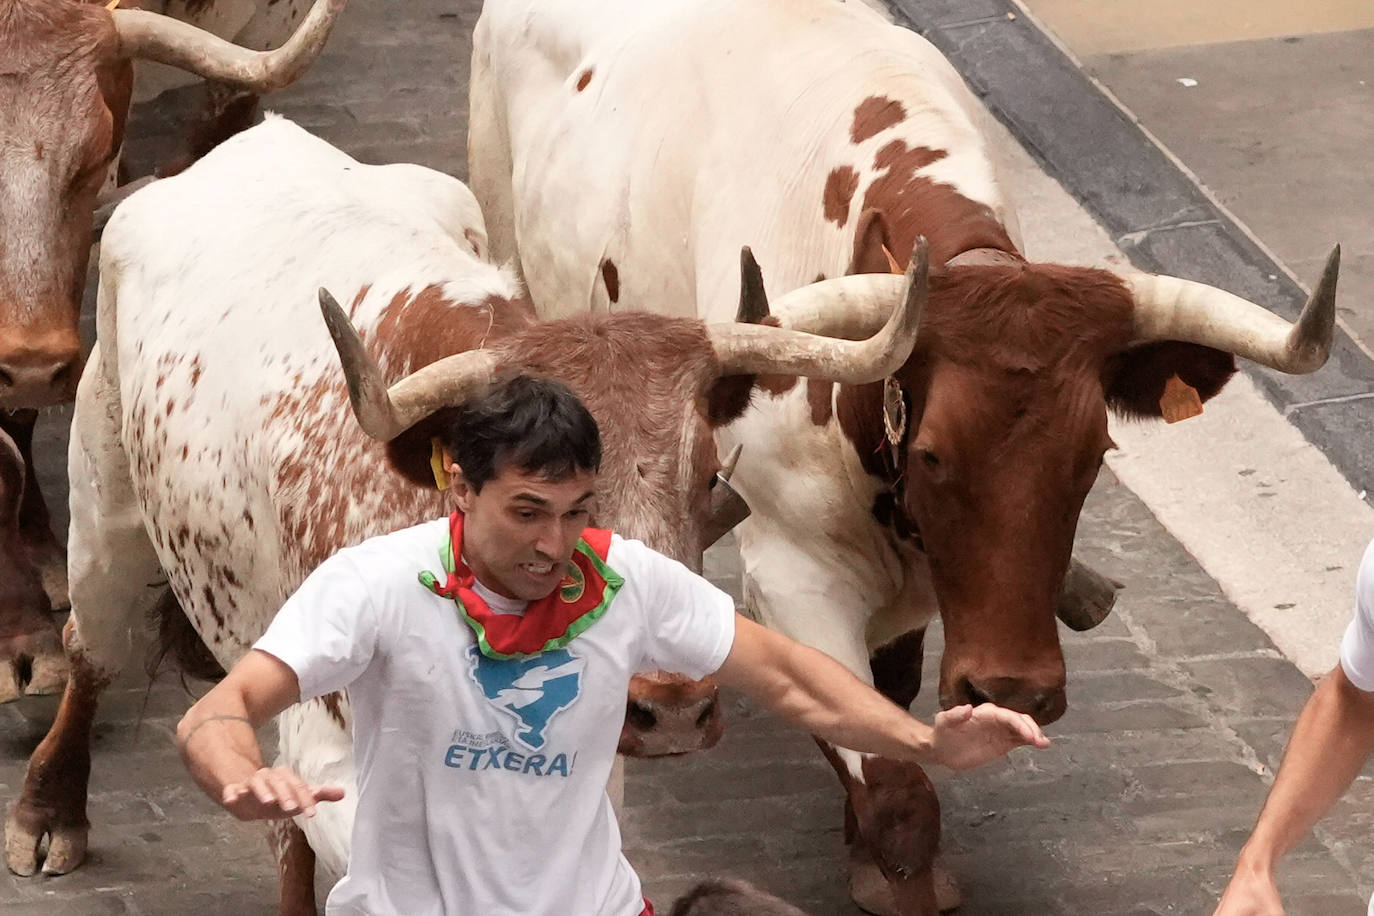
<point>170,41</point>
<point>1168,308</point>
<point>747,349</point>
<point>384,413</point>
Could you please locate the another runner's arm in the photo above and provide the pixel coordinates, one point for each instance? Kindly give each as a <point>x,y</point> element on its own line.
<point>812,689</point>
<point>1332,740</point>
<point>217,740</point>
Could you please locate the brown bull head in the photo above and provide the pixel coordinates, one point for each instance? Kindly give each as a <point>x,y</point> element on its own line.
<point>1007,394</point>
<point>658,388</point>
<point>66,76</point>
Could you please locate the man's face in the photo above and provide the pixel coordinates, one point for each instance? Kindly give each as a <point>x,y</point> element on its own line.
<point>521,528</point>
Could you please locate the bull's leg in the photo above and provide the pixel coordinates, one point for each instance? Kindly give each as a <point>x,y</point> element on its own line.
<point>894,823</point>
<point>31,658</point>
<point>35,524</point>
<point>112,568</point>
<point>295,869</point>
<point>897,675</point>
<point>892,817</point>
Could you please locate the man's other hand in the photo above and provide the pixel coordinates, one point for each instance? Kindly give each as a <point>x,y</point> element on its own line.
<point>275,792</point>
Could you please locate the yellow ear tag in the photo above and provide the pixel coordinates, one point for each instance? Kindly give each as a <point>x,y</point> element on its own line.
<point>892,264</point>
<point>112,5</point>
<point>436,464</point>
<point>1180,400</point>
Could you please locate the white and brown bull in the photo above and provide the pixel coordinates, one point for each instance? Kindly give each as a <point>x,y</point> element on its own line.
<point>66,80</point>
<point>213,441</point>
<point>624,151</point>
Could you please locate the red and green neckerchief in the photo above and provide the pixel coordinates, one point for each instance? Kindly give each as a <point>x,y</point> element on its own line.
<point>553,621</point>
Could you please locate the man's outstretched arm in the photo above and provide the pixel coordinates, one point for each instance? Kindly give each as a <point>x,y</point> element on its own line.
<point>1333,737</point>
<point>218,743</point>
<point>812,689</point>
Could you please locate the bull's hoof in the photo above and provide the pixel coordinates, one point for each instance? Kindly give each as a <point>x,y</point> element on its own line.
<point>24,833</point>
<point>32,666</point>
<point>947,894</point>
<point>869,890</point>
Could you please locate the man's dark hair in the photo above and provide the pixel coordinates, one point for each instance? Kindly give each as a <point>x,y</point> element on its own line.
<point>533,424</point>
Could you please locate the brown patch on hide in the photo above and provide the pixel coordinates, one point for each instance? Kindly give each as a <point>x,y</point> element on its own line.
<point>416,330</point>
<point>611,277</point>
<point>840,186</point>
<point>871,245</point>
<point>874,115</point>
<point>584,79</point>
<point>914,205</point>
<point>333,704</point>
<point>818,395</point>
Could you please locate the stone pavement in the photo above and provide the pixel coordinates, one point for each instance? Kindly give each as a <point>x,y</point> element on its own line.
<point>1177,703</point>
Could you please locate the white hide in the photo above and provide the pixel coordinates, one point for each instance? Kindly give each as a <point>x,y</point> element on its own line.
<point>214,364</point>
<point>704,126</point>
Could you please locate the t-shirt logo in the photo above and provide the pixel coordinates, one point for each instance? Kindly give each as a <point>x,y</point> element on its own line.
<point>532,690</point>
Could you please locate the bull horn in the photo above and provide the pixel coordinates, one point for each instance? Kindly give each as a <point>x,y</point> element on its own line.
<point>384,413</point>
<point>728,468</point>
<point>1168,308</point>
<point>753,301</point>
<point>151,36</point>
<point>749,349</point>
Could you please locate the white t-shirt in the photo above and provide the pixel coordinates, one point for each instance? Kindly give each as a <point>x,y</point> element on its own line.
<point>1357,646</point>
<point>481,784</point>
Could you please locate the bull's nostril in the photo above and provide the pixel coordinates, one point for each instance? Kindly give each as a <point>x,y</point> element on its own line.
<point>707,715</point>
<point>976,697</point>
<point>639,716</point>
<point>62,376</point>
<point>6,379</point>
<point>24,670</point>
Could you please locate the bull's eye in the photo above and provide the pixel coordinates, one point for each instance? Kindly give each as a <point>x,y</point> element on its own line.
<point>929,458</point>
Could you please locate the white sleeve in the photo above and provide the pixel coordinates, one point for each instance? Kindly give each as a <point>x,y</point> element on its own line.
<point>689,623</point>
<point>327,631</point>
<point>1357,646</point>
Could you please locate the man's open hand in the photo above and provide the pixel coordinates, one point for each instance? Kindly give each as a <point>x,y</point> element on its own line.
<point>970,736</point>
<point>275,793</point>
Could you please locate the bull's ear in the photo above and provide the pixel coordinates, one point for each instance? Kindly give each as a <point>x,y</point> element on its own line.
<point>728,398</point>
<point>871,244</point>
<point>409,453</point>
<point>1134,381</point>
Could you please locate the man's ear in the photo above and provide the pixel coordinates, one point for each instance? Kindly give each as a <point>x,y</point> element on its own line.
<point>463,493</point>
